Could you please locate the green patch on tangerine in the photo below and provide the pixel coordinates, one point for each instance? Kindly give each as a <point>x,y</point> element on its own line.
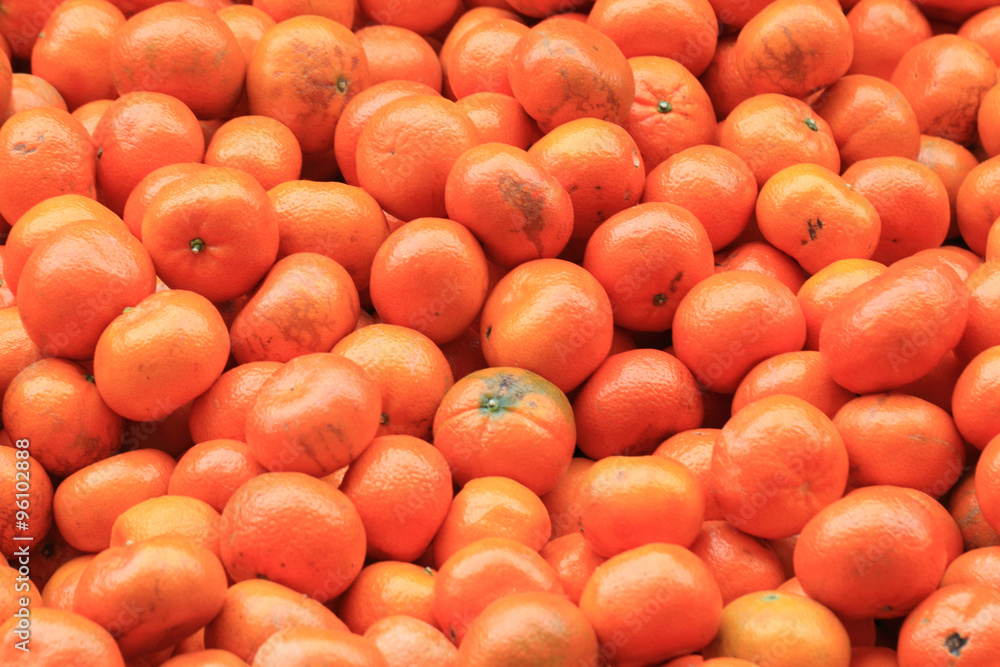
<point>770,597</point>
<point>509,391</point>
<point>503,391</point>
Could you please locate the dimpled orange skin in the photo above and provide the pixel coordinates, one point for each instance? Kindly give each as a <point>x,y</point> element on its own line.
<point>773,131</point>
<point>357,113</point>
<point>600,166</point>
<point>46,152</point>
<point>963,505</point>
<point>828,287</point>
<point>945,78</point>
<point>260,146</point>
<point>491,420</point>
<point>77,281</point>
<point>976,566</point>
<point>795,47</point>
<point>895,328</point>
<point>310,646</point>
<point>700,179</point>
<point>254,539</point>
<point>740,563</point>
<point>405,640</point>
<point>431,275</point>
<point>41,502</point>
<point>139,133</point>
<point>229,212</point>
<point>180,50</point>
<point>60,637</point>
<point>341,11</point>
<point>144,191</point>
<point>172,585</point>
<point>810,213</point>
<point>83,29</point>
<point>903,191</point>
<point>306,303</point>
<point>683,31</point>
<point>500,118</point>
<point>248,25</point>
<point>660,598</point>
<point>633,401</point>
<point>527,628</point>
<point>975,204</point>
<point>410,183</point>
<point>488,507</point>
<point>671,110</point>
<point>901,440</point>
<point>961,619</point>
<point>986,490</point>
<point>388,588</point>
<point>784,450</point>
<point>565,70</point>
<point>411,372</point>
<point>762,257</point>
<point>981,331</point>
<point>56,406</point>
<point>181,516</point>
<point>40,221</point>
<point>255,609</point>
<point>755,624</point>
<point>484,571</point>
<point>478,60</point>
<point>30,92</point>
<point>303,72</point>
<point>800,374</point>
<point>351,238</point>
<point>884,30</point>
<point>401,487</point>
<point>722,79</point>
<point>730,322</point>
<point>142,371</point>
<point>87,502</point>
<point>315,414</point>
<point>694,448</point>
<point>221,411</point>
<point>517,322</point>
<point>517,209</point>
<point>574,561</point>
<point>647,258</point>
<point>631,501</point>
<point>869,117</point>
<point>872,553</point>
<point>17,350</point>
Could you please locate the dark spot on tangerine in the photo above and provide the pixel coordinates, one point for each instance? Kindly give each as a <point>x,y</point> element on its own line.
<point>954,643</point>
<point>489,330</point>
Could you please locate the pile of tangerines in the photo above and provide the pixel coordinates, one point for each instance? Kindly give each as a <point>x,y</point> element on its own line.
<point>500,332</point>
